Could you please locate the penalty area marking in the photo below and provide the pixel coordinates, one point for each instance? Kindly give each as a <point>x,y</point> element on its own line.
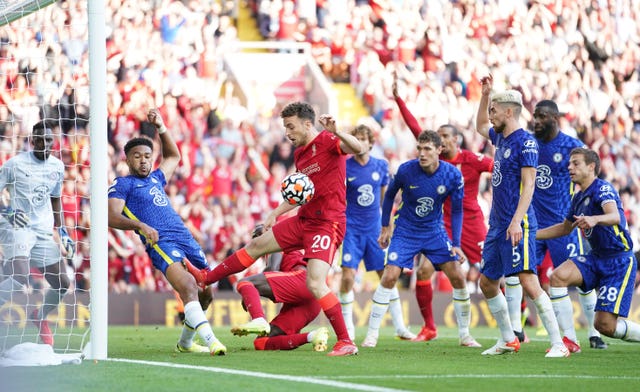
<point>284,377</point>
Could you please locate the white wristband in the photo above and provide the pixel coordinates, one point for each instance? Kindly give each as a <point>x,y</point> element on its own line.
<point>162,130</point>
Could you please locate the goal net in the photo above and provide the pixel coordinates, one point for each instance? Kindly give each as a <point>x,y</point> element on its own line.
<point>44,75</point>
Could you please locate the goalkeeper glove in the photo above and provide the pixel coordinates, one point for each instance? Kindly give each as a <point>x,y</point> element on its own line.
<point>67,242</point>
<point>18,218</point>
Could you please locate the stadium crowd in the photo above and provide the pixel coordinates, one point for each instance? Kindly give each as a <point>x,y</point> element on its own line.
<point>583,54</point>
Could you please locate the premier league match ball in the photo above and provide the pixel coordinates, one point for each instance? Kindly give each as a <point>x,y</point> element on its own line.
<point>297,189</point>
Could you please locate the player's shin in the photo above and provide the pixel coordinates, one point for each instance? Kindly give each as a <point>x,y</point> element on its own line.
<point>499,310</point>
<point>588,304</point>
<point>513,294</point>
<point>563,310</point>
<point>627,330</point>
<point>462,308</point>
<point>346,303</point>
<point>548,317</point>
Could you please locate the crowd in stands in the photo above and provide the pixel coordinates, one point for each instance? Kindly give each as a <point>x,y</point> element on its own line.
<point>584,54</point>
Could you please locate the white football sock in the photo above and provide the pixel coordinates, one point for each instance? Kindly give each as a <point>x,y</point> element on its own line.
<point>346,304</point>
<point>194,316</point>
<point>588,303</point>
<point>378,309</point>
<point>395,309</point>
<point>498,308</point>
<point>563,309</point>
<point>548,317</point>
<point>627,330</point>
<point>462,308</point>
<point>513,294</point>
<point>186,336</point>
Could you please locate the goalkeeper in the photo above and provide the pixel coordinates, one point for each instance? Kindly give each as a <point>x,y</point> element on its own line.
<point>34,182</point>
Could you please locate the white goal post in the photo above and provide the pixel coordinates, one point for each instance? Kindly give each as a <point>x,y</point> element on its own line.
<point>14,12</point>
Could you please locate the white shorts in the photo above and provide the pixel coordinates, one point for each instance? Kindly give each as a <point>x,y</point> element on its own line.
<point>39,249</point>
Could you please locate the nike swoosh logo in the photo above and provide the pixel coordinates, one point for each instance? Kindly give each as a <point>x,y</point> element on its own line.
<point>351,179</point>
<point>316,250</point>
<point>413,186</point>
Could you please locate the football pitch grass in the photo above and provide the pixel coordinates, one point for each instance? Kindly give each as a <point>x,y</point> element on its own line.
<point>143,359</point>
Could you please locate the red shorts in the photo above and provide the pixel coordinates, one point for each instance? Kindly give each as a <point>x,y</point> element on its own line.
<point>545,268</point>
<point>318,238</point>
<point>474,232</point>
<point>289,287</point>
<point>299,305</point>
<point>292,318</point>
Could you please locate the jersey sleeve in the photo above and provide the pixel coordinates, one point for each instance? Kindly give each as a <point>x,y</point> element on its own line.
<point>529,153</point>
<point>389,197</point>
<point>408,117</point>
<point>457,195</point>
<point>57,190</point>
<point>384,168</point>
<point>119,189</point>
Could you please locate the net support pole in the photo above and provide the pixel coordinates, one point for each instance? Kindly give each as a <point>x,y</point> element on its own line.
<point>99,179</point>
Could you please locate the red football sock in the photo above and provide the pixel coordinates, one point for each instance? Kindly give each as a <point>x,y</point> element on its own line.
<point>280,342</point>
<point>251,299</point>
<point>239,261</point>
<point>332,309</point>
<point>424,295</point>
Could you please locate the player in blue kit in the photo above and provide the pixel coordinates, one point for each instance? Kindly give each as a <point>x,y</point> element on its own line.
<point>367,180</point>
<point>426,182</point>
<point>610,267</point>
<point>552,200</point>
<point>138,202</point>
<point>509,248</point>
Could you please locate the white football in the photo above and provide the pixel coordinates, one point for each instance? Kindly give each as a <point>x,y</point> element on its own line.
<point>297,188</point>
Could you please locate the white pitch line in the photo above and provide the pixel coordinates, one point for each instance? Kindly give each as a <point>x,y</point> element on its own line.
<point>307,380</point>
<point>488,376</point>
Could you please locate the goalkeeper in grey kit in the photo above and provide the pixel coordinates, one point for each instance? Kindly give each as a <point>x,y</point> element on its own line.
<point>34,182</point>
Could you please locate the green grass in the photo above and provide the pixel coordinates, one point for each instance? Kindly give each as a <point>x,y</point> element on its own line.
<point>435,366</point>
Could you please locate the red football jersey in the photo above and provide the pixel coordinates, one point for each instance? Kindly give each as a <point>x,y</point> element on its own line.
<point>325,164</point>
<point>472,166</point>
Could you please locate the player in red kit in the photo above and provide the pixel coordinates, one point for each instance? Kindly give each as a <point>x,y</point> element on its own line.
<point>319,226</point>
<point>283,281</point>
<point>474,229</point>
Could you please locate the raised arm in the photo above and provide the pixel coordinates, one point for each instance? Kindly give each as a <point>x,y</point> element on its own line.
<point>170,151</point>
<point>407,116</point>
<point>348,143</point>
<point>482,117</point>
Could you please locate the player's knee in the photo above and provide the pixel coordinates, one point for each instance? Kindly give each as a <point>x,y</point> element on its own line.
<point>557,279</point>
<point>605,327</point>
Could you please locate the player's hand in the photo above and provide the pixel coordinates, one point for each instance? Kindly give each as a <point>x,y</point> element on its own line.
<point>150,234</point>
<point>457,251</point>
<point>18,218</point>
<point>487,84</point>
<point>394,85</point>
<point>155,118</point>
<point>514,233</point>
<point>67,243</point>
<point>385,236</point>
<point>257,231</point>
<point>584,222</point>
<point>328,122</point>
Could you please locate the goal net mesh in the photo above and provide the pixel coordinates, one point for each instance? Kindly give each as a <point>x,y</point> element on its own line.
<point>43,75</point>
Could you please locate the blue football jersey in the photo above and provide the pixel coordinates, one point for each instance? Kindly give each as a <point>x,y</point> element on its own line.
<point>554,189</point>
<point>514,152</point>
<point>605,241</point>
<point>423,197</point>
<point>364,183</point>
<point>146,201</point>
